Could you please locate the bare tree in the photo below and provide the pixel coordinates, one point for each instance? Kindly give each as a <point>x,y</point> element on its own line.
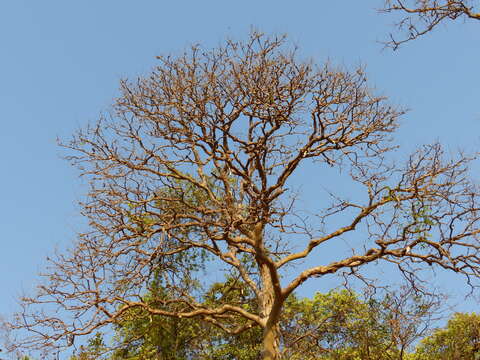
<point>422,16</point>
<point>410,317</point>
<point>193,170</point>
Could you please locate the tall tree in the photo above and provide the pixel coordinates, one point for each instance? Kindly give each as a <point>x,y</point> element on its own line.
<point>419,17</point>
<point>234,126</point>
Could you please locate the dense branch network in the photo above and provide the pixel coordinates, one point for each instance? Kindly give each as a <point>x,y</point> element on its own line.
<point>191,175</point>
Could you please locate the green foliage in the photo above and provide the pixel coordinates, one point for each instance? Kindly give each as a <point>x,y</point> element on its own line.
<point>94,349</point>
<point>336,326</point>
<point>339,325</point>
<point>142,336</point>
<point>459,340</point>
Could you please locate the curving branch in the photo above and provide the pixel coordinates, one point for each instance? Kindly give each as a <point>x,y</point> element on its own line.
<point>419,17</point>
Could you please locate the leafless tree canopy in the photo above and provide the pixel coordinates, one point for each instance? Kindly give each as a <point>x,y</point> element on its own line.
<point>421,16</point>
<point>192,171</point>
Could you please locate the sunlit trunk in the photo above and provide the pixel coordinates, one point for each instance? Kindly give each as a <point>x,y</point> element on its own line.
<point>271,341</point>
<point>271,308</point>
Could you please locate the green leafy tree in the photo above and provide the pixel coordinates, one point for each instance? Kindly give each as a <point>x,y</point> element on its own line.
<point>458,340</point>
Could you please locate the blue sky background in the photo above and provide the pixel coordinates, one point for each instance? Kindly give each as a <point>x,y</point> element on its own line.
<point>61,62</point>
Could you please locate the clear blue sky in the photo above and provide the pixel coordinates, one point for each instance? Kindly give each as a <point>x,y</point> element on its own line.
<point>61,61</point>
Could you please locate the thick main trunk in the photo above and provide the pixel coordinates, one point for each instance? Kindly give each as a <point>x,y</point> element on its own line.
<point>271,309</point>
<point>271,341</point>
<point>271,300</point>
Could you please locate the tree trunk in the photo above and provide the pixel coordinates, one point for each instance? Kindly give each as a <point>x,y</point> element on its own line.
<point>271,309</point>
<point>271,301</point>
<point>271,340</point>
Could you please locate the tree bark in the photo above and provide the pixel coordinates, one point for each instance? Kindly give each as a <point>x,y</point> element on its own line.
<point>271,309</point>
<point>271,341</point>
